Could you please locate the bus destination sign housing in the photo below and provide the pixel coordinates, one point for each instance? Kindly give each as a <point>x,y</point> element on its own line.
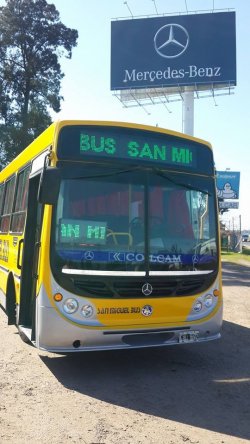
<point>130,145</point>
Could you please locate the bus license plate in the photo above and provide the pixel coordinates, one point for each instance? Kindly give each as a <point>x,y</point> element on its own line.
<point>188,336</point>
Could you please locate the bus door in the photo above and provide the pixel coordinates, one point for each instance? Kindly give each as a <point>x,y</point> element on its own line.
<point>30,255</point>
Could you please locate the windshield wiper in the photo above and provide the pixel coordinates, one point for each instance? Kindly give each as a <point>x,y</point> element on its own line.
<point>99,175</point>
<point>181,185</point>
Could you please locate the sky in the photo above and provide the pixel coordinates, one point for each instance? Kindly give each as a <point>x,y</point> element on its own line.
<point>223,122</point>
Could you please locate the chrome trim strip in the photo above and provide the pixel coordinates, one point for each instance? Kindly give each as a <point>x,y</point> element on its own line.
<point>103,273</point>
<point>179,273</point>
<point>134,273</point>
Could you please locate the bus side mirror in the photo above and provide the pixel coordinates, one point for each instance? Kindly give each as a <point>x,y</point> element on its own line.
<point>49,185</point>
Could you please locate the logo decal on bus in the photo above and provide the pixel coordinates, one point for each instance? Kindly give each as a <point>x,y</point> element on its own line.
<point>89,255</point>
<point>4,250</point>
<point>147,289</point>
<point>147,310</point>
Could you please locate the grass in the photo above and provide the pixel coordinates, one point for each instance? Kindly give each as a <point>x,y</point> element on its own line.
<point>236,257</point>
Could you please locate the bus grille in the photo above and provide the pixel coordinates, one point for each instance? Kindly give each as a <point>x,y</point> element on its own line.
<point>133,289</point>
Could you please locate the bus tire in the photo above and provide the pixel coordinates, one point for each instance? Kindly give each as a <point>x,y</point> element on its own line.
<point>11,301</point>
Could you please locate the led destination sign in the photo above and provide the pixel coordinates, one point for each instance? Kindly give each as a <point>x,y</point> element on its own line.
<point>83,232</point>
<point>135,150</point>
<point>78,142</point>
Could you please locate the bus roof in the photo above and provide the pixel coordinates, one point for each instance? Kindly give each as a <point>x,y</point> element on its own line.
<point>47,138</point>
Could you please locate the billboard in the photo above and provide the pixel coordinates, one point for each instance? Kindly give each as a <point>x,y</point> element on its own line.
<point>228,184</point>
<point>197,49</point>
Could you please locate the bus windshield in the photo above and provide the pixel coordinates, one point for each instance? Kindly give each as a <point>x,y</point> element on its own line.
<point>135,222</point>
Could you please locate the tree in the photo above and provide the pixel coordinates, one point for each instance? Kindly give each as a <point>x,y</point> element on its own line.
<point>32,40</point>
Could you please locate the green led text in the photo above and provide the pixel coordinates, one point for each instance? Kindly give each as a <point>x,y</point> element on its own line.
<point>123,148</point>
<point>155,152</point>
<point>70,231</point>
<point>96,232</point>
<point>181,155</point>
<point>97,144</point>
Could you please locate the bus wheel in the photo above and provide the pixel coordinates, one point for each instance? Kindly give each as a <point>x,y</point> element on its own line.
<point>11,302</point>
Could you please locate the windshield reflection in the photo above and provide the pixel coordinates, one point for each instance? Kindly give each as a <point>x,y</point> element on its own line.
<point>135,222</point>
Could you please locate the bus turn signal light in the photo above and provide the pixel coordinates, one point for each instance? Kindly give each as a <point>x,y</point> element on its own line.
<point>58,297</point>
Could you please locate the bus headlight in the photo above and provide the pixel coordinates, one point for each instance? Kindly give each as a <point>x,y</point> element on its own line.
<point>202,306</point>
<point>87,311</point>
<point>70,305</point>
<point>197,306</point>
<point>208,300</point>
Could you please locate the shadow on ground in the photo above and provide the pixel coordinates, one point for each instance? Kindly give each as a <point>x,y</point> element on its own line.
<point>235,275</point>
<point>203,385</point>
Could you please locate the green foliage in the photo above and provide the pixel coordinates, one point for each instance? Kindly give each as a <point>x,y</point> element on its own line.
<point>236,257</point>
<point>32,40</point>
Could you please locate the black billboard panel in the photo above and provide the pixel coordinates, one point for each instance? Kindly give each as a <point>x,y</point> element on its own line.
<point>175,50</point>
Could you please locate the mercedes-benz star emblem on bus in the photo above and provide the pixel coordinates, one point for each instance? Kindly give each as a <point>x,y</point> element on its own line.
<point>147,289</point>
<point>147,310</point>
<point>89,255</point>
<point>171,40</point>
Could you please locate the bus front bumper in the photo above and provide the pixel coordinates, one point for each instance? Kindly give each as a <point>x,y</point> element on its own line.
<point>54,334</point>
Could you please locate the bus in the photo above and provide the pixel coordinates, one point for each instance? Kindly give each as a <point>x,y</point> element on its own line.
<point>109,238</point>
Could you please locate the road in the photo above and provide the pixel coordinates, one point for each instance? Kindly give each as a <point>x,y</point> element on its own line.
<point>186,394</point>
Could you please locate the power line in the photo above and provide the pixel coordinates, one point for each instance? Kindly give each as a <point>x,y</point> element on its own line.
<point>155,7</point>
<point>126,3</point>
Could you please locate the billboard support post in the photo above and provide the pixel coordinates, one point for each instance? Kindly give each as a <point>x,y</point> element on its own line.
<point>188,112</point>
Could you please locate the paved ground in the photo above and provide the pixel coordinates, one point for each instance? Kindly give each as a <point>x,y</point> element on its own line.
<point>195,394</point>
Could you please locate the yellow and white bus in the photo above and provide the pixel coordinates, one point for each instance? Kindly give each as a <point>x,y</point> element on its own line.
<point>109,238</point>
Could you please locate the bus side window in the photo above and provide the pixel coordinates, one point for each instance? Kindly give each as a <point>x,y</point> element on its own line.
<point>7,205</point>
<point>21,199</point>
<point>1,198</point>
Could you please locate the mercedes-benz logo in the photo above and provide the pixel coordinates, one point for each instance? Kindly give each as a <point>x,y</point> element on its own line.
<point>195,259</point>
<point>171,40</point>
<point>89,255</point>
<point>147,289</point>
